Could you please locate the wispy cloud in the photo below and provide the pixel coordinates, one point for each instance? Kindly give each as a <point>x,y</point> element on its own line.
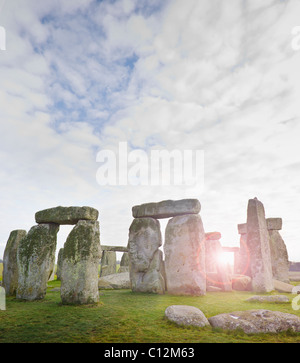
<point>81,76</point>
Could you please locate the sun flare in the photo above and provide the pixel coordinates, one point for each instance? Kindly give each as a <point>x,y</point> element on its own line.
<point>226,258</point>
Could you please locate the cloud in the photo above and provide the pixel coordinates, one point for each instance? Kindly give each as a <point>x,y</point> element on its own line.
<point>81,76</point>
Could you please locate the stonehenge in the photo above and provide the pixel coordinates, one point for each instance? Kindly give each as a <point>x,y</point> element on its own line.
<point>186,260</point>
<point>259,247</point>
<point>183,271</point>
<point>263,255</point>
<point>35,259</point>
<point>30,257</point>
<point>108,263</point>
<point>10,267</point>
<point>145,258</point>
<point>81,256</point>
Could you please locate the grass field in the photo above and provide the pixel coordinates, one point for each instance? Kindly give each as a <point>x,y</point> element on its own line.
<point>125,317</point>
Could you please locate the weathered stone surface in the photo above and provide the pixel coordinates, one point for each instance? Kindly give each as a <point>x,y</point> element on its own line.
<point>274,223</point>
<point>167,208</point>
<point>256,321</point>
<point>10,272</point>
<point>258,243</point>
<point>242,258</point>
<point>241,282</point>
<point>284,287</point>
<point>36,257</point>
<point>186,315</point>
<point>81,256</point>
<point>213,289</point>
<point>145,258</point>
<point>269,298</point>
<point>184,250</point>
<point>115,281</point>
<point>59,264</point>
<point>108,263</point>
<point>213,236</point>
<point>66,215</point>
<point>2,298</point>
<point>124,264</point>
<point>114,248</point>
<point>279,257</point>
<point>242,228</point>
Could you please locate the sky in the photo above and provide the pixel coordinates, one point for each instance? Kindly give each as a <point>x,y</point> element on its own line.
<point>79,77</point>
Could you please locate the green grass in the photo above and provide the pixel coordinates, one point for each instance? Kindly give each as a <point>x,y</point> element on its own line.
<point>125,317</point>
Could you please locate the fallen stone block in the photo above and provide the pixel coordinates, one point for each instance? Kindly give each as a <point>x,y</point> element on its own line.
<point>256,321</point>
<point>269,298</point>
<point>115,281</point>
<point>186,315</point>
<point>284,287</point>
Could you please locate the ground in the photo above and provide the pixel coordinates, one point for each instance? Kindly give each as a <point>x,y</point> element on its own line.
<point>122,316</point>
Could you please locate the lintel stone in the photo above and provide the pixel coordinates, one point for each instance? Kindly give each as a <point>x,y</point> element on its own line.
<point>167,208</point>
<point>274,223</point>
<point>242,228</point>
<point>66,215</point>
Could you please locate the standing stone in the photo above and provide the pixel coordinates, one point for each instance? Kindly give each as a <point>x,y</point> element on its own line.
<point>2,298</point>
<point>81,256</point>
<point>108,263</point>
<point>59,264</point>
<point>279,257</point>
<point>145,259</point>
<point>36,256</point>
<point>124,264</point>
<point>10,273</point>
<point>185,256</point>
<point>213,250</point>
<point>258,243</point>
<point>242,257</point>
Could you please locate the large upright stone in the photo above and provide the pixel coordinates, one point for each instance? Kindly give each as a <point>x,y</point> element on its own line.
<point>10,273</point>
<point>66,215</point>
<point>167,208</point>
<point>108,263</point>
<point>242,257</point>
<point>185,256</point>
<point>279,257</point>
<point>59,264</point>
<point>124,264</point>
<point>258,243</point>
<point>81,257</point>
<point>36,257</point>
<point>145,259</point>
